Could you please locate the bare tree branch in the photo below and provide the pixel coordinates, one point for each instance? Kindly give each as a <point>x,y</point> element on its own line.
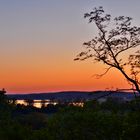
<point>101,75</point>
<point>110,43</point>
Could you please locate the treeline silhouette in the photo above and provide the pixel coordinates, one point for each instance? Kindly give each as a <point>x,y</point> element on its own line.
<point>110,120</point>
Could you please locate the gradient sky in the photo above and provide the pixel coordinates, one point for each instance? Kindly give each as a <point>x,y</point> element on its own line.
<point>40,38</point>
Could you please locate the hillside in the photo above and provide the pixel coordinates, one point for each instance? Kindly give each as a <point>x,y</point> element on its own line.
<point>72,95</point>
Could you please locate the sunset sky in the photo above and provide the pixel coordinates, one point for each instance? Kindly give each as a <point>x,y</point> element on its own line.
<point>40,38</point>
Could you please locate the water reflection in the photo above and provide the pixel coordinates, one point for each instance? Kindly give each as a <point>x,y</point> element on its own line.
<point>36,103</point>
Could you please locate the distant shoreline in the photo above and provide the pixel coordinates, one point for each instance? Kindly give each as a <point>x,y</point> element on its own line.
<point>72,95</point>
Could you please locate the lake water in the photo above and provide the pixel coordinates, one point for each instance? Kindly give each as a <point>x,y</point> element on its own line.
<point>36,103</point>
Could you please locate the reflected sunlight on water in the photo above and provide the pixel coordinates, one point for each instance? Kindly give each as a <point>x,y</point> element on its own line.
<point>37,103</point>
<point>22,102</point>
<point>45,103</point>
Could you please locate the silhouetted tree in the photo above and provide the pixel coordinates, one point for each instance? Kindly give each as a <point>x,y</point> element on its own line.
<point>2,92</point>
<point>111,44</point>
<point>29,102</point>
<point>43,103</point>
<point>3,96</point>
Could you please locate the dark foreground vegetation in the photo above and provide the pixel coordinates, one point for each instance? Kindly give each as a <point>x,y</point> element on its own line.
<point>111,120</point>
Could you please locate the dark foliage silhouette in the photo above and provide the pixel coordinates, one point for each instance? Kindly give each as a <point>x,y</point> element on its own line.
<point>115,37</point>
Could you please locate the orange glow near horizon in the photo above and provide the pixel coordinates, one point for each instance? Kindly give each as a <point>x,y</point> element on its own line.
<point>39,71</point>
<point>80,79</point>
